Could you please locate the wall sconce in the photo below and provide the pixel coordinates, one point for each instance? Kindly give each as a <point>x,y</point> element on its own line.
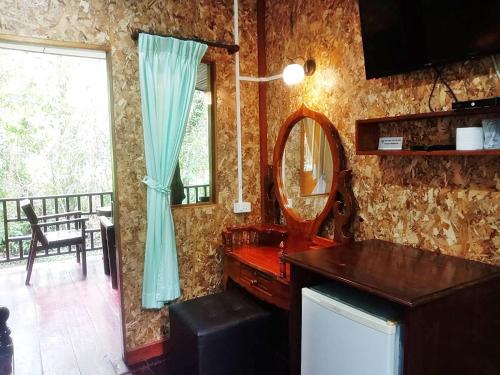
<point>294,73</point>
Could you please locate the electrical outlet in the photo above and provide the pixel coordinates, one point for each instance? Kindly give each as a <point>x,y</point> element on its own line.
<point>242,207</point>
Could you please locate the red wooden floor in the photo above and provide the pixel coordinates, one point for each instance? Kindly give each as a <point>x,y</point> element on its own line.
<point>61,324</point>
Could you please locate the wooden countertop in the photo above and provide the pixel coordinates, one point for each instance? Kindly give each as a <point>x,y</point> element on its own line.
<point>399,273</point>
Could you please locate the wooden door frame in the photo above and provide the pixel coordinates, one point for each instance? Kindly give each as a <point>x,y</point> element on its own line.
<point>107,49</point>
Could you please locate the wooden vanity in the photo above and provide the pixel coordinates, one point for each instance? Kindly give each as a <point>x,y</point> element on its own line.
<point>254,259</point>
<point>254,253</point>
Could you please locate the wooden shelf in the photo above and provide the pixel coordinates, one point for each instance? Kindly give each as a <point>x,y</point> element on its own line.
<point>429,153</point>
<point>369,131</point>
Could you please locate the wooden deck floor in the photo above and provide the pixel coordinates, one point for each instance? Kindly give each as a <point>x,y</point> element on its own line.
<point>62,324</point>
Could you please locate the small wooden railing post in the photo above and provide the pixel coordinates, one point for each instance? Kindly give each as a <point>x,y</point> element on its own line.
<point>6,345</point>
<point>6,230</point>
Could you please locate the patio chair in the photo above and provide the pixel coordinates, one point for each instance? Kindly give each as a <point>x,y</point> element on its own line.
<point>41,240</point>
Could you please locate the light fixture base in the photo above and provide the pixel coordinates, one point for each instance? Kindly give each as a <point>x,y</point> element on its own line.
<point>309,67</point>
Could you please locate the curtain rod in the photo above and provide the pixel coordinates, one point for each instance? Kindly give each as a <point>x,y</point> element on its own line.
<point>231,48</point>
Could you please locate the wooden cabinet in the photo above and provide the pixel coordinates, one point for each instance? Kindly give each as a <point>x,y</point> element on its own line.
<point>421,129</point>
<point>450,306</point>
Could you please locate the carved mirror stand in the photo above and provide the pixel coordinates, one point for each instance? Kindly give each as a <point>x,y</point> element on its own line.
<point>307,186</point>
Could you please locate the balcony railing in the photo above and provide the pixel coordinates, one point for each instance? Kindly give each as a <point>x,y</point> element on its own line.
<point>15,233</point>
<point>196,193</point>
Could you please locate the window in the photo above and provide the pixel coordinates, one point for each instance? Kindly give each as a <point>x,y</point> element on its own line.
<point>193,180</point>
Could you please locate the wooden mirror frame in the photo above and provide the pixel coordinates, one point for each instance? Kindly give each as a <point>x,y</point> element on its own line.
<point>340,175</point>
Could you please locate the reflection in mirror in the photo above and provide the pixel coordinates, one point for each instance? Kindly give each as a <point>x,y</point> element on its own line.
<point>307,169</point>
<point>316,159</point>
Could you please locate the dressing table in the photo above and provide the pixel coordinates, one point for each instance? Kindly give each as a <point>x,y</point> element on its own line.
<point>311,186</point>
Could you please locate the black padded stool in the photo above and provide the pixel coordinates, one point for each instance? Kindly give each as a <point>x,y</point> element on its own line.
<point>221,334</point>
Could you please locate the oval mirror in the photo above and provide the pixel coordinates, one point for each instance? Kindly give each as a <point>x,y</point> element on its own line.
<point>307,169</point>
<point>307,161</point>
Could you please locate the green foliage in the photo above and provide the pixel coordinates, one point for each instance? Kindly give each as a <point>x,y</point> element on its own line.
<point>194,155</point>
<point>54,127</point>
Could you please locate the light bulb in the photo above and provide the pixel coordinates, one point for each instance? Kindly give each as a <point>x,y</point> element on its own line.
<point>293,74</point>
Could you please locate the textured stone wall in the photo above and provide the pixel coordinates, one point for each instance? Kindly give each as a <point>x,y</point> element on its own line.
<point>446,203</point>
<point>198,228</point>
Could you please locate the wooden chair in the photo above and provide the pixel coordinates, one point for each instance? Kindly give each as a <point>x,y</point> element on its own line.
<point>41,240</point>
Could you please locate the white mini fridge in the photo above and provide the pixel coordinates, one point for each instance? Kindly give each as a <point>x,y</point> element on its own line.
<point>345,332</point>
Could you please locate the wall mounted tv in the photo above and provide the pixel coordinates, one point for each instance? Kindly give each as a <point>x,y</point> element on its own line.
<point>404,35</point>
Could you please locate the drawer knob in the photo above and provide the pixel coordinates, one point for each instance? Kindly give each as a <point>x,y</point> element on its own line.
<point>253,282</point>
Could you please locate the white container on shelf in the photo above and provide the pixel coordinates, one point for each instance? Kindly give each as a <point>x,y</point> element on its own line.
<point>470,138</point>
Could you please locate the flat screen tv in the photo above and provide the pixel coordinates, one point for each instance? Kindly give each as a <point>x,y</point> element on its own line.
<point>404,35</point>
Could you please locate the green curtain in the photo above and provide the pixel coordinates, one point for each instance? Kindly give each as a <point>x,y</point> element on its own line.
<point>167,72</point>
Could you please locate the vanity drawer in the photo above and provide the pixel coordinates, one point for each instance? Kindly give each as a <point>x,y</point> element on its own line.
<point>256,279</point>
<point>261,285</point>
<point>265,287</point>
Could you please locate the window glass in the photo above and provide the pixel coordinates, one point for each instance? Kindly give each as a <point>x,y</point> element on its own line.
<point>193,179</point>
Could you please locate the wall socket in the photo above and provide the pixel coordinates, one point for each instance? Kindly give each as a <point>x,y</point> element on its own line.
<point>242,207</point>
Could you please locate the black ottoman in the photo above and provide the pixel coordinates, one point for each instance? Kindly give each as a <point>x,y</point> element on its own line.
<point>221,334</point>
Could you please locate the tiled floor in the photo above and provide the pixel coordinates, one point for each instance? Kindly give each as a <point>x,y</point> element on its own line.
<point>64,325</point>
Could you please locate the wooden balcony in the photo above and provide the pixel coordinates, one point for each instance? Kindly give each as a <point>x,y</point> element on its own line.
<point>64,324</point>
<point>15,231</point>
<point>196,193</point>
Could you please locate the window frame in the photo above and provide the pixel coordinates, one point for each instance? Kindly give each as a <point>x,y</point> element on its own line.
<point>212,154</point>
